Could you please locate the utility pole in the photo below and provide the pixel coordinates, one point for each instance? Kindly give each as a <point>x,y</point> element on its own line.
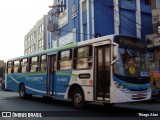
<point>55,26</point>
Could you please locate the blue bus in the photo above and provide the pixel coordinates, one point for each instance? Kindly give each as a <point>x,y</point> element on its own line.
<point>110,69</point>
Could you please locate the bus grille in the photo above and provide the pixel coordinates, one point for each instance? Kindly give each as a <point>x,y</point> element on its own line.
<point>138,89</point>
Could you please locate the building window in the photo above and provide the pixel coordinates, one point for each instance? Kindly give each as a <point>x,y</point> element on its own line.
<point>29,50</point>
<point>40,43</point>
<point>157,4</point>
<point>63,12</point>
<point>40,28</point>
<point>84,21</point>
<point>147,2</point>
<point>28,40</point>
<point>32,48</point>
<point>32,36</point>
<point>63,4</point>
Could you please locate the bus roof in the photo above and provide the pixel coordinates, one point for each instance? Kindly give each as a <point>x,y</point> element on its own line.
<point>90,41</point>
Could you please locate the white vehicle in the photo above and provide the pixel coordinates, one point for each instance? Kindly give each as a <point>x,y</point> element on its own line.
<point>109,69</point>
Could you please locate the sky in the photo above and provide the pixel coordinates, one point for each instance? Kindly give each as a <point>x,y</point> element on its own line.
<point>17,17</point>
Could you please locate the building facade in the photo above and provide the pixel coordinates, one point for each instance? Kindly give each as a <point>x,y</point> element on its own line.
<point>72,21</point>
<point>35,39</point>
<point>154,38</point>
<point>2,69</point>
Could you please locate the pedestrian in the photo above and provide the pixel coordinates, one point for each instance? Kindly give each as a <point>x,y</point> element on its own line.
<point>2,86</point>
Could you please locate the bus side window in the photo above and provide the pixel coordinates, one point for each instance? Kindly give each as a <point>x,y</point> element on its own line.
<point>16,66</point>
<point>9,67</point>
<point>83,57</point>
<point>34,64</point>
<point>65,60</point>
<point>24,65</point>
<point>43,63</point>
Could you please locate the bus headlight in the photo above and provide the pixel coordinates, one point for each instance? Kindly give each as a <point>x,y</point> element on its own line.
<point>126,90</point>
<point>119,86</point>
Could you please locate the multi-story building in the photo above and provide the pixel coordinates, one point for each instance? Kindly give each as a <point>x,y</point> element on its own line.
<point>154,38</point>
<point>35,39</point>
<point>72,21</point>
<point>2,69</point>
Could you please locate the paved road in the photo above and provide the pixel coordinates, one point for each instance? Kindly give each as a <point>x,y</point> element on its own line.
<point>10,102</point>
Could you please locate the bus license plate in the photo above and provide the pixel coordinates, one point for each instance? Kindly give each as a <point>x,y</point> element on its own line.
<point>140,95</point>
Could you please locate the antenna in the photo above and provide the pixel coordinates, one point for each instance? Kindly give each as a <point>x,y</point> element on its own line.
<point>55,6</point>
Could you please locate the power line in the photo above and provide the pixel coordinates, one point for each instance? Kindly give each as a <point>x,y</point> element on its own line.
<point>132,32</point>
<point>125,27</point>
<point>111,7</point>
<point>122,14</point>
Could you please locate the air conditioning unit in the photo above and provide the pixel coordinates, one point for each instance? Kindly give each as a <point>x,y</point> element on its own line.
<point>52,26</point>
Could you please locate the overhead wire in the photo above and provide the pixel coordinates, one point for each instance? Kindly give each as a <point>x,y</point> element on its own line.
<point>125,27</point>
<point>123,14</point>
<point>110,6</point>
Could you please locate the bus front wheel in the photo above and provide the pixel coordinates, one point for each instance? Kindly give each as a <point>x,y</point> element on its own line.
<point>78,98</point>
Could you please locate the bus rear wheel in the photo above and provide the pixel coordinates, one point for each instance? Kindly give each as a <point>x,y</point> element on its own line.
<point>78,98</point>
<point>108,104</point>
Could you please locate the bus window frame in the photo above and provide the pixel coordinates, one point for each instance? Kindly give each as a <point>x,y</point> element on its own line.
<point>17,66</point>
<point>42,62</point>
<point>11,68</point>
<point>70,58</point>
<point>90,56</point>
<point>26,65</point>
<point>36,69</point>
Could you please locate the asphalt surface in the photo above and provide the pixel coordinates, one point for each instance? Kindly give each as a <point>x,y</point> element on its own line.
<point>10,102</point>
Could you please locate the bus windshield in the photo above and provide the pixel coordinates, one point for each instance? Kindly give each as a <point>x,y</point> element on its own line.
<point>131,63</point>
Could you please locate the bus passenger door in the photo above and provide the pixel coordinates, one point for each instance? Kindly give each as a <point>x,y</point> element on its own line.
<point>102,70</point>
<point>51,74</point>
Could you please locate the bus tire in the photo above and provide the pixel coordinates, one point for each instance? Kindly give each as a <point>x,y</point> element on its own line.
<point>22,91</point>
<point>108,105</point>
<point>78,98</point>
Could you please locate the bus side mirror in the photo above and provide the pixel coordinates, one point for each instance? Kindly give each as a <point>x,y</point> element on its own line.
<point>115,51</point>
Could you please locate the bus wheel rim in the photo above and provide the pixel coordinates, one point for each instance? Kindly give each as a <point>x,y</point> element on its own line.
<point>78,98</point>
